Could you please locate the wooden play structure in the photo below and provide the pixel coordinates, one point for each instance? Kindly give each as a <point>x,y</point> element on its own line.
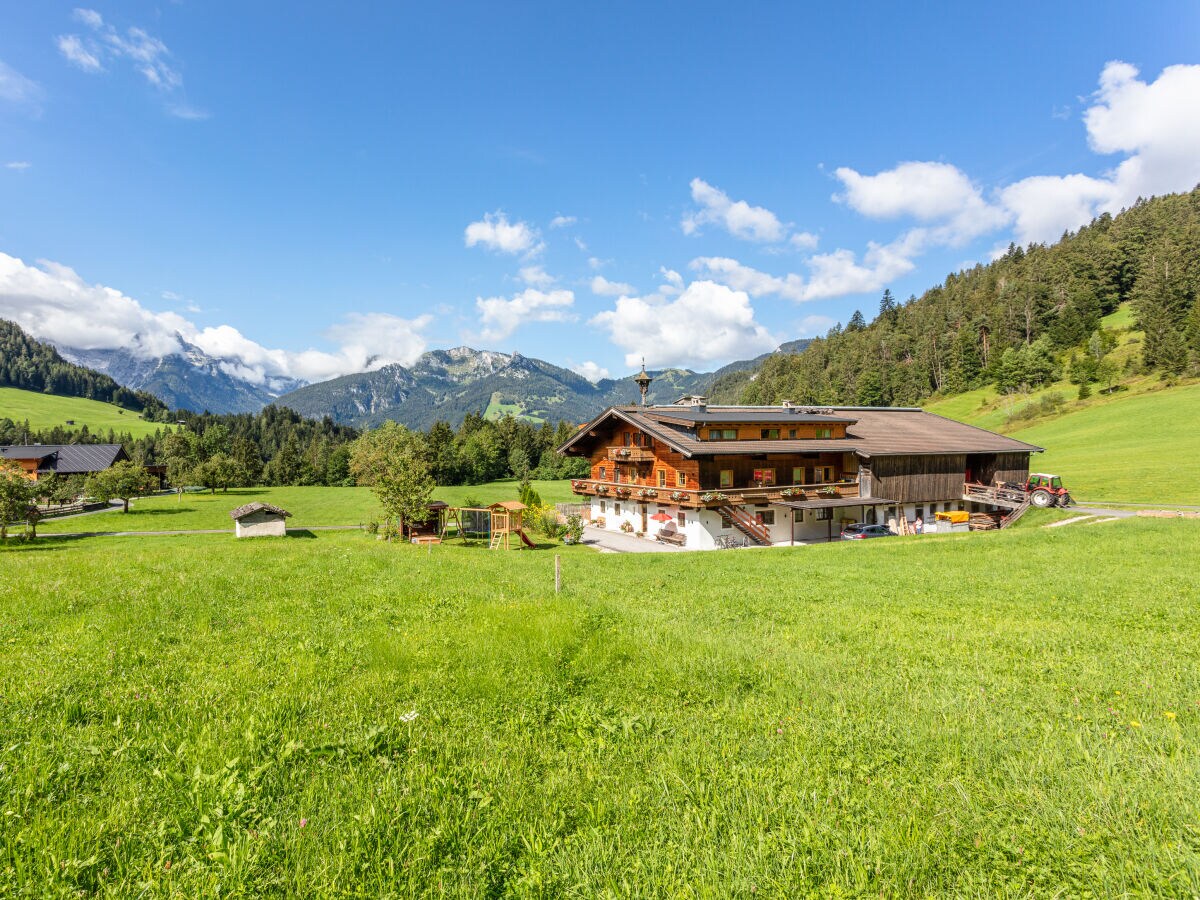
<point>496,524</point>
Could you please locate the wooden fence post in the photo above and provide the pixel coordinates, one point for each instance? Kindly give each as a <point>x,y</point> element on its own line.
<point>557,574</point>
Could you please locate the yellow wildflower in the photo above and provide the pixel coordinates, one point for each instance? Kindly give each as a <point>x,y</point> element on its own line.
<point>1135,724</point>
<point>1169,714</point>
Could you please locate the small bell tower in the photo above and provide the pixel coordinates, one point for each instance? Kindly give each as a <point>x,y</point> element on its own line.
<point>643,379</point>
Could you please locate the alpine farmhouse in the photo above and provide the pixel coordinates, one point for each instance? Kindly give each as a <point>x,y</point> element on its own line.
<point>782,474</point>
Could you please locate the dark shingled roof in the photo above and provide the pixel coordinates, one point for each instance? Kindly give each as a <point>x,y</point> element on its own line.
<point>68,459</point>
<point>242,511</point>
<point>875,431</point>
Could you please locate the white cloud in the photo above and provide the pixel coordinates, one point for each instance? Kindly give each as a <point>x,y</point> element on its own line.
<point>101,43</point>
<point>71,46</point>
<point>590,371</point>
<point>18,165</point>
<point>706,323</point>
<point>536,276</point>
<point>673,282</point>
<point>739,218</point>
<point>580,244</point>
<point>562,221</point>
<point>1155,124</point>
<point>595,263</point>
<point>752,281</point>
<point>54,303</point>
<point>495,232</point>
<point>605,288</point>
<point>834,274</point>
<point>502,316</point>
<point>804,240</point>
<point>16,88</point>
<point>930,192</point>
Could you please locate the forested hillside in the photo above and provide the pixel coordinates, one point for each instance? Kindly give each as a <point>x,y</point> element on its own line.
<point>34,366</point>
<point>1023,320</point>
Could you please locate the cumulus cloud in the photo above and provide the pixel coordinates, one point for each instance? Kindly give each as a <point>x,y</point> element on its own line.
<point>501,316</point>
<point>590,371</point>
<point>605,288</point>
<point>739,218</point>
<point>1155,124</point>
<point>563,221</point>
<point>101,44</point>
<point>705,323</point>
<point>804,240</point>
<point>752,281</point>
<point>495,232</point>
<point>930,192</point>
<point>536,276</point>
<point>52,302</point>
<point>15,88</point>
<point>18,165</point>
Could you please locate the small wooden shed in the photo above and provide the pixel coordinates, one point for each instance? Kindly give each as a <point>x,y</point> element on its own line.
<point>259,520</point>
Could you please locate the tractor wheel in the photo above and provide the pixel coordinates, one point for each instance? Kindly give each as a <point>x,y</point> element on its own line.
<point>1042,499</point>
<point>1064,500</point>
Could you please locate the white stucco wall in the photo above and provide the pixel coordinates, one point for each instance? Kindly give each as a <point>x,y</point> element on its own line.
<point>260,524</point>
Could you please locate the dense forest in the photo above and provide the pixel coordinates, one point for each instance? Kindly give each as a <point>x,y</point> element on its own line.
<point>1029,317</point>
<point>278,446</point>
<point>35,366</point>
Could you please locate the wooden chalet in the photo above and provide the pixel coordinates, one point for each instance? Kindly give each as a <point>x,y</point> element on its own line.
<point>40,460</point>
<point>782,474</point>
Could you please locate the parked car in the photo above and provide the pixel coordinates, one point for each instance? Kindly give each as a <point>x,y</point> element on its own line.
<point>860,530</point>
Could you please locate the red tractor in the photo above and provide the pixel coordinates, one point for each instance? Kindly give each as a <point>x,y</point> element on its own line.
<point>1042,490</point>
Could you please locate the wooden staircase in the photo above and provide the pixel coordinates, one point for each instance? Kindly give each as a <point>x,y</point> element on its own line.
<point>744,522</point>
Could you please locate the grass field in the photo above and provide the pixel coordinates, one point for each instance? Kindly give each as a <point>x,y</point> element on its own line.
<point>47,410</point>
<point>1136,448</point>
<point>308,505</point>
<point>198,716</point>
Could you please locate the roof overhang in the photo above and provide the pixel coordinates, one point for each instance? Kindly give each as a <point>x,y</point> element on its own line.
<point>657,433</point>
<point>834,502</point>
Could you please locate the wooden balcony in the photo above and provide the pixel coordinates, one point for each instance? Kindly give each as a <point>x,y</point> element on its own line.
<point>630,454</point>
<point>711,497</point>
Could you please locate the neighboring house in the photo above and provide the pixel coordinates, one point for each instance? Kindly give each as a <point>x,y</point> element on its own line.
<point>259,520</point>
<point>40,460</point>
<point>782,474</point>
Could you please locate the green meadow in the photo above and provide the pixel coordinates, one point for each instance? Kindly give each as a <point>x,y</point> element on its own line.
<point>48,410</point>
<point>309,506</point>
<point>1005,714</point>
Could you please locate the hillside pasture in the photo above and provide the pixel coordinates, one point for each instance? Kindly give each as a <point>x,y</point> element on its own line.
<point>48,410</point>
<point>332,715</point>
<point>309,506</point>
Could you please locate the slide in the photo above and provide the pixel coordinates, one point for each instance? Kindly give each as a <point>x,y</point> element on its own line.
<point>526,541</point>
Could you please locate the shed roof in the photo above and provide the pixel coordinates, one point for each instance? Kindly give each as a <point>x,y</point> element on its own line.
<point>509,504</point>
<point>250,508</point>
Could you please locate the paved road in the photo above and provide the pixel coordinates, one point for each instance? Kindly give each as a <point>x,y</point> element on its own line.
<point>619,542</point>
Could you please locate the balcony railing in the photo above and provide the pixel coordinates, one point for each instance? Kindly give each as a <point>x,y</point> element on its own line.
<point>712,497</point>
<point>630,454</point>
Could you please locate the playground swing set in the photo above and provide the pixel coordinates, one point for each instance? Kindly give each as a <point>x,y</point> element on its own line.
<point>497,524</point>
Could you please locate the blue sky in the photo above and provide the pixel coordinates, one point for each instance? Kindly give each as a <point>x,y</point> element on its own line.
<point>308,190</point>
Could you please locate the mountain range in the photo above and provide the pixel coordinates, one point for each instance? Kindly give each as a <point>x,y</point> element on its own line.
<point>442,385</point>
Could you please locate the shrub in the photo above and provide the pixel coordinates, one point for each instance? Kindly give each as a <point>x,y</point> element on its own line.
<point>573,532</point>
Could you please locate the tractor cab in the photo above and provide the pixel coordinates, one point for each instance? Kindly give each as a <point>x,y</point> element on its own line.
<point>1046,490</point>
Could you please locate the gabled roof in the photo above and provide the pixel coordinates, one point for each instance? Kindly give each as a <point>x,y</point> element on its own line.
<point>250,508</point>
<point>872,431</point>
<point>68,459</point>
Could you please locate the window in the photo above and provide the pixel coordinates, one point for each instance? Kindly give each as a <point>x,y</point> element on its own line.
<point>682,519</point>
<point>824,432</point>
<point>798,516</point>
<point>647,441</point>
<point>770,434</point>
<point>822,474</point>
<point>603,506</point>
<point>824,515</point>
<point>764,477</point>
<point>798,475</point>
<point>628,438</point>
<point>792,433</point>
<point>726,522</point>
<point>617,508</point>
<point>604,473</point>
<point>766,517</point>
<point>680,479</point>
<point>726,478</point>
<point>637,439</point>
<point>662,477</point>
<point>722,434</point>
